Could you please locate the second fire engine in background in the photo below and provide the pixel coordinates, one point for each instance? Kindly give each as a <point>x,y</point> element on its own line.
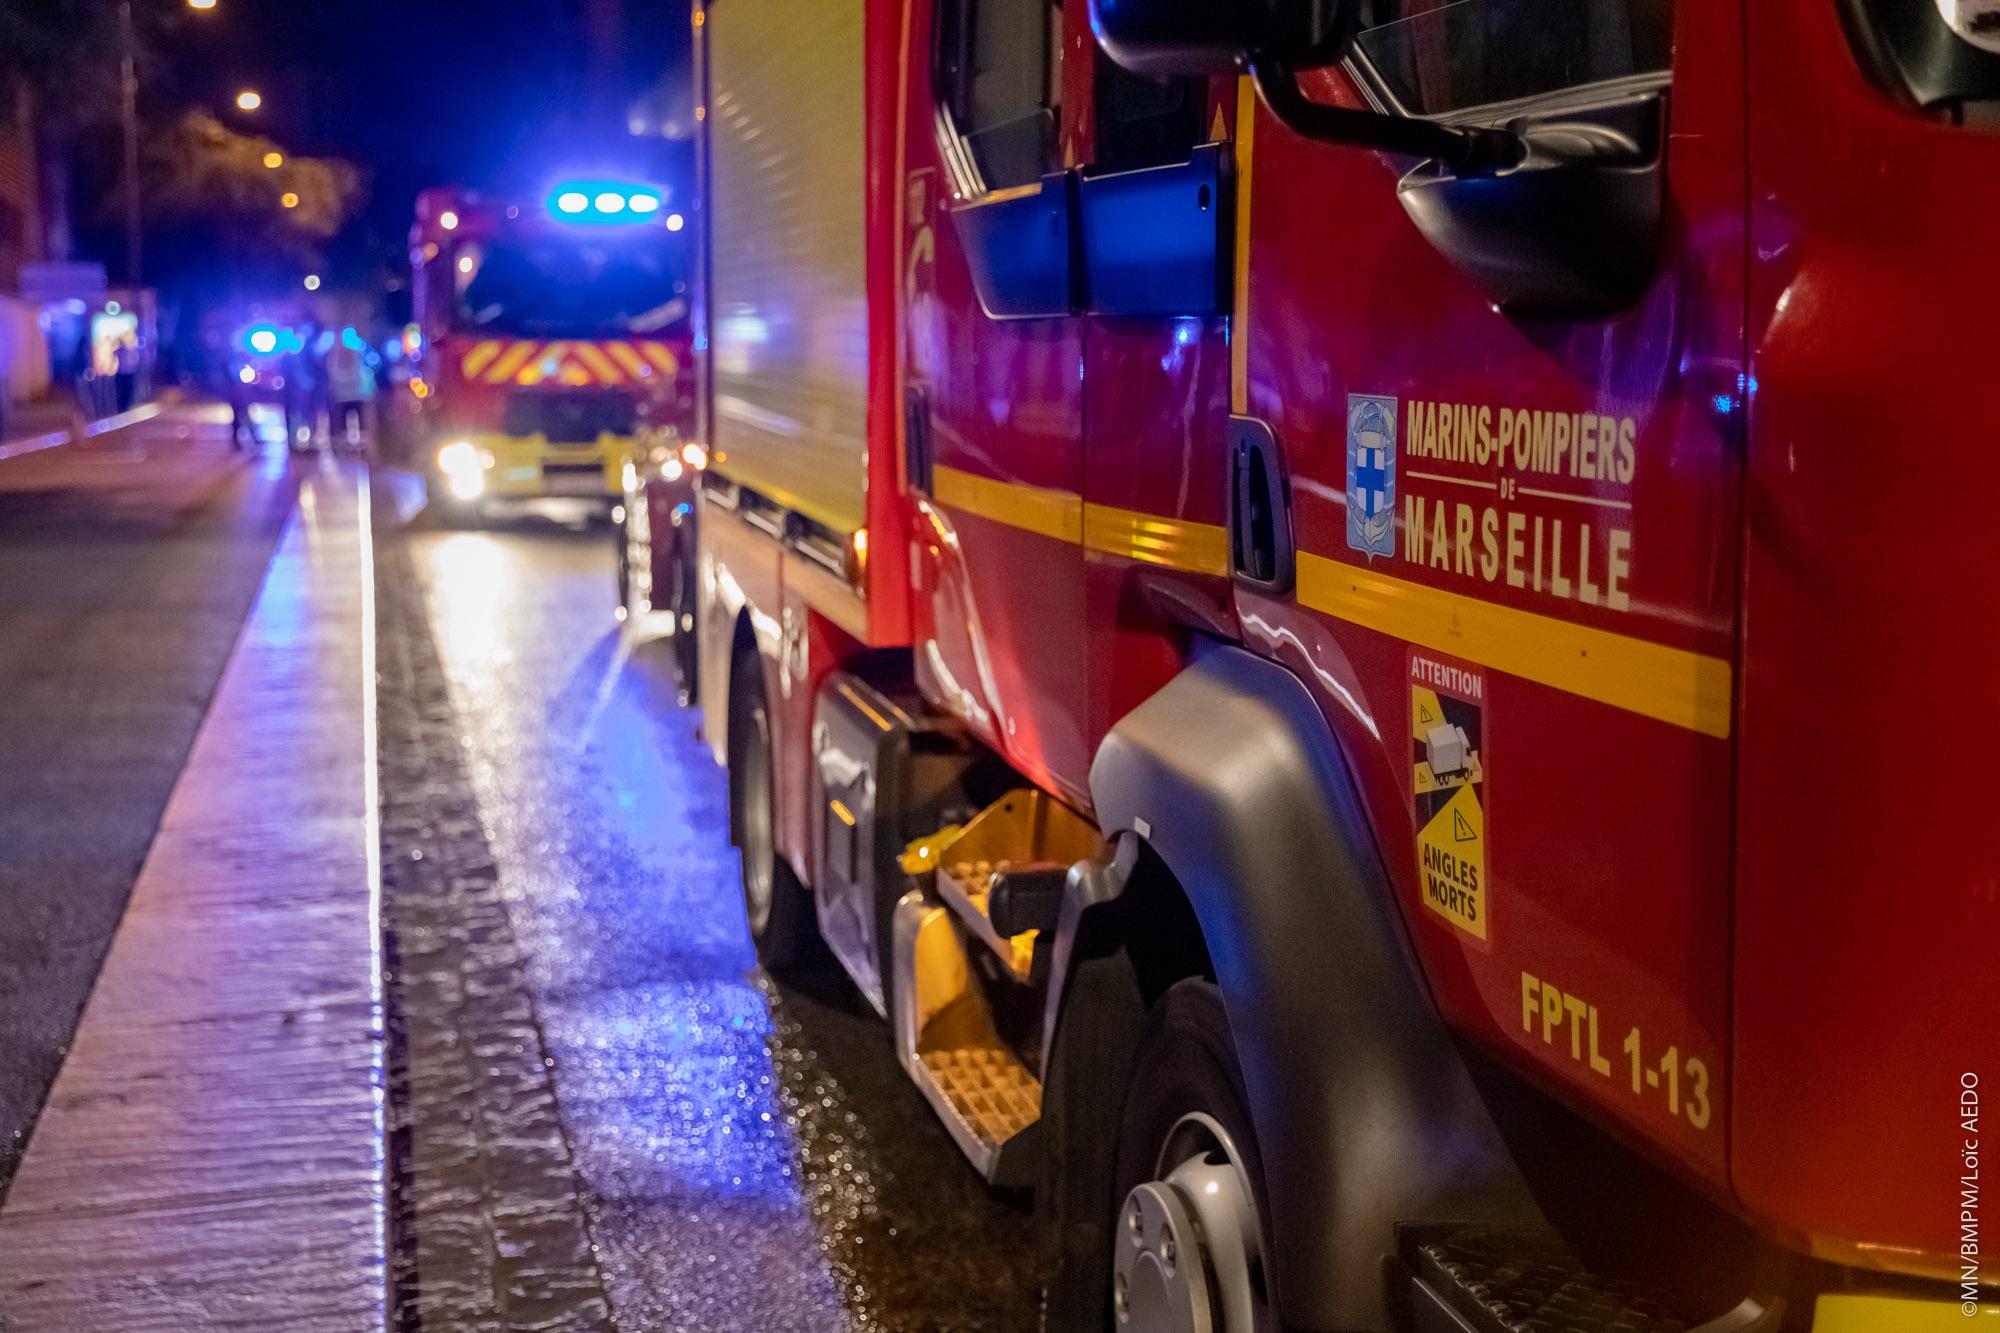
<point>552,343</point>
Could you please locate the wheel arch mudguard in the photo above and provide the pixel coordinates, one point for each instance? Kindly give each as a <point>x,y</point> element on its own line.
<point>1365,1113</point>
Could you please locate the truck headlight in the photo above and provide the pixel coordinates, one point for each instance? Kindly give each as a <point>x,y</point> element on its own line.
<point>459,456</point>
<point>464,466</point>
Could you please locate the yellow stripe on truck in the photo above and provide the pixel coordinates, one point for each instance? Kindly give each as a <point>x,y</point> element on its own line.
<point>1239,310</point>
<point>480,357</point>
<point>597,363</point>
<point>1853,1312</point>
<point>1198,548</point>
<point>1051,513</point>
<point>1670,684</point>
<point>628,357</point>
<point>661,355</point>
<point>511,361</point>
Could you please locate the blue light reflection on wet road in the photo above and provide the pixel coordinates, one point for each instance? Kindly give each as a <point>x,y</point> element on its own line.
<point>606,818</point>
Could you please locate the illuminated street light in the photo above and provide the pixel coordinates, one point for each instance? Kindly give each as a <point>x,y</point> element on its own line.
<point>249,100</point>
<point>274,160</point>
<point>675,222</point>
<point>448,220</point>
<point>312,282</point>
<point>289,199</point>
<point>201,4</point>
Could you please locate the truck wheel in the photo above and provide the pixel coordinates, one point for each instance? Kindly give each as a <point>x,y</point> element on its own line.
<point>682,607</point>
<point>1188,1247</point>
<point>623,538</point>
<point>777,905</point>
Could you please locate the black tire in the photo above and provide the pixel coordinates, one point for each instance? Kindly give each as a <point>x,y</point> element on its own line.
<point>684,609</point>
<point>779,909</point>
<point>1185,1066</point>
<point>623,539</point>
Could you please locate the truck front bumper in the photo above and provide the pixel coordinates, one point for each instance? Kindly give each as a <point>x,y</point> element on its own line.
<point>476,465</point>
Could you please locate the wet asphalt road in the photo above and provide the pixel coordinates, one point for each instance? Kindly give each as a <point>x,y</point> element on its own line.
<point>744,1154</point>
<point>127,566</point>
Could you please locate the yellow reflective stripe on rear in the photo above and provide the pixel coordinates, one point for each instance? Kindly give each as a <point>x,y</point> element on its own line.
<point>1670,684</point>
<point>541,367</point>
<point>480,357</point>
<point>1198,548</point>
<point>598,364</point>
<point>1052,513</point>
<point>628,357</point>
<point>514,358</point>
<point>1849,1312</point>
<point>661,356</point>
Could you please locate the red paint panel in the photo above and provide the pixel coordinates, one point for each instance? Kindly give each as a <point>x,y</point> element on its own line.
<point>998,620</point>
<point>1868,910</point>
<point>887,576</point>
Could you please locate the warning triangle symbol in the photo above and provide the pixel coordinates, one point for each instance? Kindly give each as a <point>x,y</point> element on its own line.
<point>1461,828</point>
<point>1424,714</point>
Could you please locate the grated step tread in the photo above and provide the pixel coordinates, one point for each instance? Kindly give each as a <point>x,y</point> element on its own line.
<point>1523,1282</point>
<point>988,1087</point>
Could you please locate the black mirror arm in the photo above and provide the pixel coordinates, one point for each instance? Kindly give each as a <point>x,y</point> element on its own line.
<point>1468,152</point>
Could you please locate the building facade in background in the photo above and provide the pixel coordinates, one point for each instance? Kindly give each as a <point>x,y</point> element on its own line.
<point>24,356</point>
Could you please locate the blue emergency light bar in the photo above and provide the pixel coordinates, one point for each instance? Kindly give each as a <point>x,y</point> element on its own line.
<point>604,202</point>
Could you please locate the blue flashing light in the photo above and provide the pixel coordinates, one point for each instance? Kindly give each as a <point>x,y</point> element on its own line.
<point>263,340</point>
<point>605,202</point>
<point>351,339</point>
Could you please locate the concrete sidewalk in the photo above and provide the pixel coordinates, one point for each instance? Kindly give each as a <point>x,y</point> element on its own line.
<point>50,426</point>
<point>211,1156</point>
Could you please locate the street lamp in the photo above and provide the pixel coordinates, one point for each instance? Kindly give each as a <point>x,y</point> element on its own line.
<point>249,99</point>
<point>289,199</point>
<point>274,160</point>
<point>312,282</point>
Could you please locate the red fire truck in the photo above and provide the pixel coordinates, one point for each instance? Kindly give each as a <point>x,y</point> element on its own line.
<point>1306,606</point>
<point>553,352</point>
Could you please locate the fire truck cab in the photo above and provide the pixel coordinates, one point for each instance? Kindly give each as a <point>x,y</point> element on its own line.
<point>1338,611</point>
<point>553,354</point>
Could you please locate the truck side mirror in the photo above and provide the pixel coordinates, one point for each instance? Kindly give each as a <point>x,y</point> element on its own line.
<point>1169,38</point>
<point>1271,40</point>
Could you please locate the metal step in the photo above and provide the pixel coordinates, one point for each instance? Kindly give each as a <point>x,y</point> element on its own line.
<point>1472,1279</point>
<point>1025,833</point>
<point>989,1101</point>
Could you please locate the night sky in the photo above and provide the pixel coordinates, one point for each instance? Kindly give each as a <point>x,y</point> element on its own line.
<point>496,94</point>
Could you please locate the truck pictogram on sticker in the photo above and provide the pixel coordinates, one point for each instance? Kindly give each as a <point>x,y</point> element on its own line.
<point>1447,736</point>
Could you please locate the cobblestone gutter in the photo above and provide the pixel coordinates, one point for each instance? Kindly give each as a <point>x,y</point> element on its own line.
<point>487,1230</point>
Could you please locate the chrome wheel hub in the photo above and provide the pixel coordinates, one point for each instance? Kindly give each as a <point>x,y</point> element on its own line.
<point>1188,1255</point>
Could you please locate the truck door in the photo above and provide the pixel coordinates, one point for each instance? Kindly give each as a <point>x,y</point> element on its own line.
<point>1516,508</point>
<point>993,417</point>
<point>1156,374</point>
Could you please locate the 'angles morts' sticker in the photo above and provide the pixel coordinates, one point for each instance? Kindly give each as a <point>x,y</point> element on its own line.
<point>1447,706</point>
